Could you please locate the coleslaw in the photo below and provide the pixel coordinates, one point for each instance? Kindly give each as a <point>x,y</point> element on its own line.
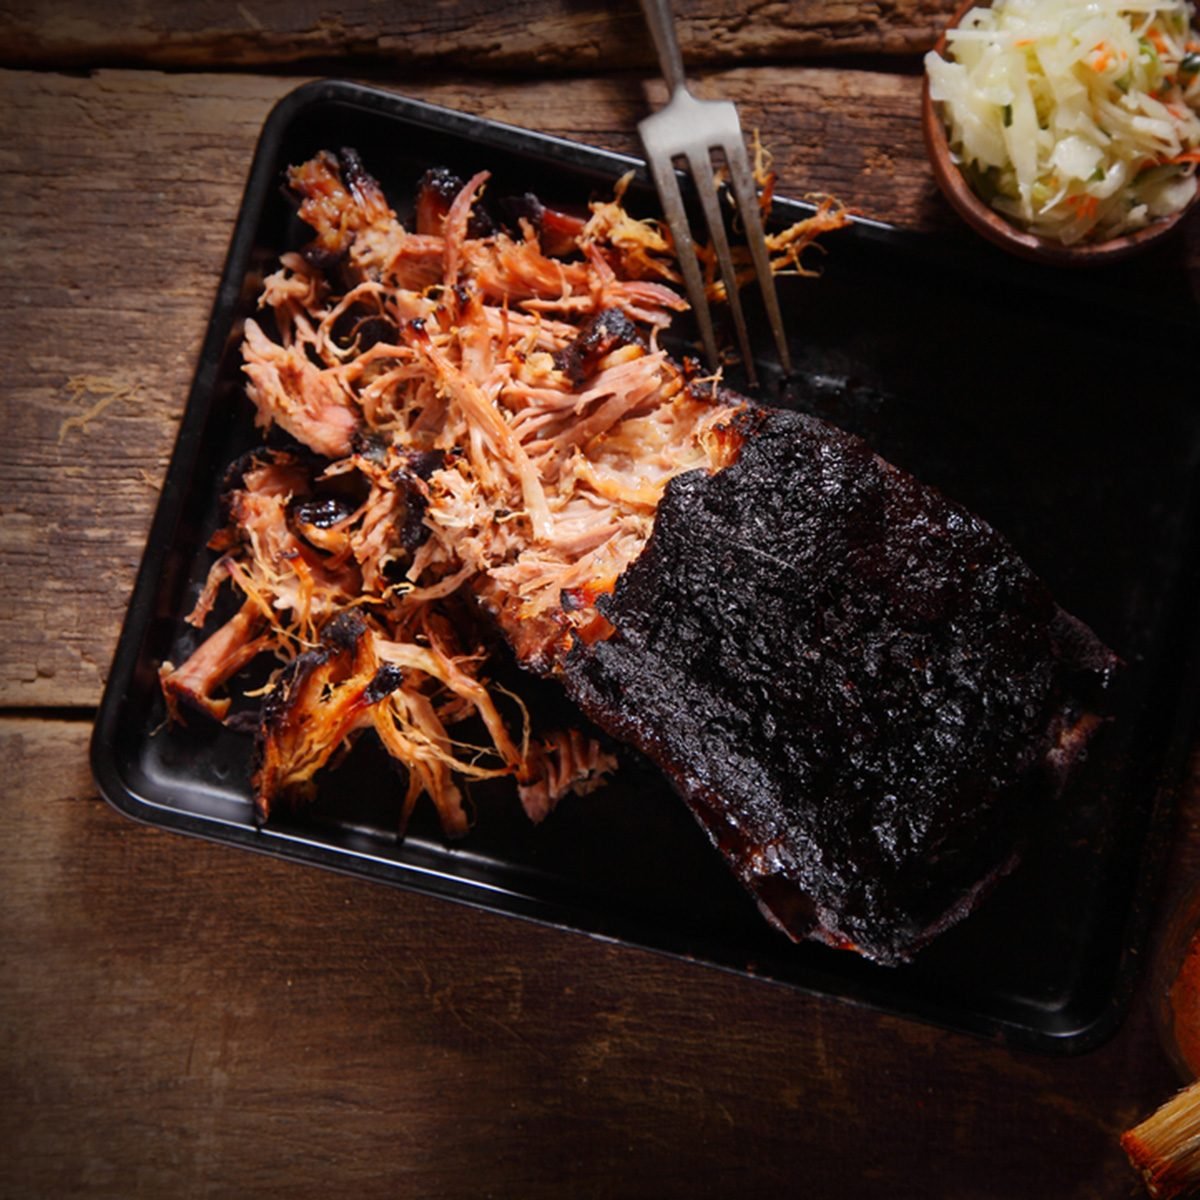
<point>1076,119</point>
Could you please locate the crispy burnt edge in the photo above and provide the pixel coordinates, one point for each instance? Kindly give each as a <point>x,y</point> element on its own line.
<point>303,699</point>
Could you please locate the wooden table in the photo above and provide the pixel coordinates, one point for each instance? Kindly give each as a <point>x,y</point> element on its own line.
<point>178,1018</point>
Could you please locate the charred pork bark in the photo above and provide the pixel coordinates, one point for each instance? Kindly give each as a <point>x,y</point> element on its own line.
<point>863,694</point>
<point>337,198</point>
<point>435,194</point>
<point>558,232</point>
<point>608,330</point>
<point>323,699</point>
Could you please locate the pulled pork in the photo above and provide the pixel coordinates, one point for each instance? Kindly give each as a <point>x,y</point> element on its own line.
<point>475,415</point>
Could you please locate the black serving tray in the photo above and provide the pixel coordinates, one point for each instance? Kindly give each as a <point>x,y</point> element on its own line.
<point>1056,406</point>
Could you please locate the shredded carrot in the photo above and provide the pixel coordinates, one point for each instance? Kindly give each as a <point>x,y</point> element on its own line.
<point>1085,206</point>
<point>1103,55</point>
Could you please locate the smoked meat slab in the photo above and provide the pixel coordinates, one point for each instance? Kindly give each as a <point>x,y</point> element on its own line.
<point>863,693</point>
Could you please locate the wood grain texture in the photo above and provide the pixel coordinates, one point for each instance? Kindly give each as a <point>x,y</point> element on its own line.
<point>560,36</point>
<point>120,193</point>
<point>181,1018</point>
<point>99,334</point>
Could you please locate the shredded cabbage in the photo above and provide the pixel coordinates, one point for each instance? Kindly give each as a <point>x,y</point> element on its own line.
<point>1076,119</point>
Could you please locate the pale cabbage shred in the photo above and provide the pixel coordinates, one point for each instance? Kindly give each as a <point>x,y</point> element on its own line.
<point>1070,117</point>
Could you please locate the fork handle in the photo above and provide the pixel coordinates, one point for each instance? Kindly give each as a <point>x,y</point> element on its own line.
<point>662,29</point>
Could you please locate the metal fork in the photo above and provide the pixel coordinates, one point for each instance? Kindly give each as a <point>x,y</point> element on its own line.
<point>691,129</point>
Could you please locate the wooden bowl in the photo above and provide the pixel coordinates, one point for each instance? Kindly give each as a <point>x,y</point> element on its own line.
<point>992,225</point>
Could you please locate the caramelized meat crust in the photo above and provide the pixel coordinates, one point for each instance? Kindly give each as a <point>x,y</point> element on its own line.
<point>861,691</point>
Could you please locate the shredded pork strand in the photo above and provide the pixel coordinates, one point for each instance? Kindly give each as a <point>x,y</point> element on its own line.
<point>473,440</point>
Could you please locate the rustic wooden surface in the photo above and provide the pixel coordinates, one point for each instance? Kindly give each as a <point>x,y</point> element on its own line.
<point>179,1018</point>
<point>562,35</point>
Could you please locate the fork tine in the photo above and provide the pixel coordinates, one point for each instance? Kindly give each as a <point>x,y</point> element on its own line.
<point>692,129</point>
<point>667,184</point>
<point>745,193</point>
<point>706,189</point>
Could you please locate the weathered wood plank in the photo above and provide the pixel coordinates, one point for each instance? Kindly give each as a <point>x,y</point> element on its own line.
<point>182,1018</point>
<point>117,205</point>
<point>474,34</point>
<point>120,192</point>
